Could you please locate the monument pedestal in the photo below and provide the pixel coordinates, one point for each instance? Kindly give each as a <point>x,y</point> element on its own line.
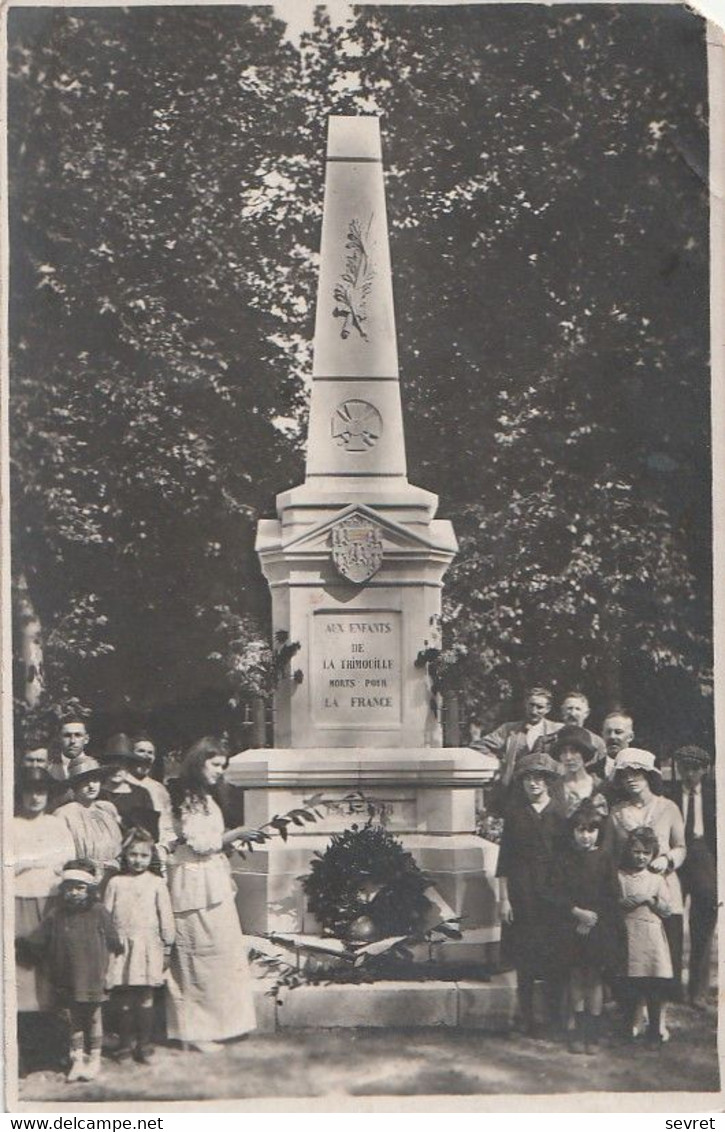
<point>461,1004</point>
<point>426,797</point>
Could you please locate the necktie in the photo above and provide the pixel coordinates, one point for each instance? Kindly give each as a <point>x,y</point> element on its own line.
<point>690,819</point>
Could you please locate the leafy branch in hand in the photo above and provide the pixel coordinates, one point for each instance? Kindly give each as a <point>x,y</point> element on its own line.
<point>276,826</point>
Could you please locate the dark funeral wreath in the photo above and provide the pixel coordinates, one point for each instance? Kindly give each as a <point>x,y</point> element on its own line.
<point>366,886</point>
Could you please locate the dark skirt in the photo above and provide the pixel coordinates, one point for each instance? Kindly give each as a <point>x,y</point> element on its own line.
<point>604,949</point>
<point>534,945</point>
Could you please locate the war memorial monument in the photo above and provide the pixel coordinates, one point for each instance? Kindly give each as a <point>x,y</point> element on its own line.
<point>355,561</point>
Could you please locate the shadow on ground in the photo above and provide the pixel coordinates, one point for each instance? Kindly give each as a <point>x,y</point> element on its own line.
<point>316,1063</point>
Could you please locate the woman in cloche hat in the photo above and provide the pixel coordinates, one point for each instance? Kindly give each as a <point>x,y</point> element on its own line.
<point>527,869</point>
<point>640,781</point>
<point>574,752</point>
<point>94,824</point>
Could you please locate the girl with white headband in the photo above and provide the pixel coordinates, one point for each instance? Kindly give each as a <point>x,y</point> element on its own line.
<point>78,937</point>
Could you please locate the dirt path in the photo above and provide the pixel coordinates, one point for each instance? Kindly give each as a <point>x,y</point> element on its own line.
<point>315,1063</point>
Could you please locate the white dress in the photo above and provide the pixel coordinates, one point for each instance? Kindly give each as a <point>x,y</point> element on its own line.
<point>141,912</point>
<point>41,846</point>
<point>664,817</point>
<point>648,952</point>
<point>96,831</point>
<point>210,994</point>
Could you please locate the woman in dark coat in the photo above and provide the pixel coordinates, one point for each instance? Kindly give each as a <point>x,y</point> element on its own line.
<point>133,802</point>
<point>528,872</point>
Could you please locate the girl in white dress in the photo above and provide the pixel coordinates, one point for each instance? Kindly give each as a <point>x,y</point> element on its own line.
<point>210,985</point>
<point>643,899</point>
<point>139,904</point>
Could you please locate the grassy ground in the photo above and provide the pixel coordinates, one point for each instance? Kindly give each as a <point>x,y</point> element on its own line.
<point>366,1063</point>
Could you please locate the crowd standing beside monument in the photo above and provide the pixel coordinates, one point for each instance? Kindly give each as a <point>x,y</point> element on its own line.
<point>128,880</point>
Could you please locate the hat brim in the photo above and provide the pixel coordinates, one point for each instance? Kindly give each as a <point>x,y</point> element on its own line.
<point>642,769</point>
<point>99,772</point>
<point>588,753</point>
<point>545,772</point>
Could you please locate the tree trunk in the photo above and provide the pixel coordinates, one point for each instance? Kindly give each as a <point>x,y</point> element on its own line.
<point>610,683</point>
<point>29,644</point>
<point>259,722</point>
<point>451,720</point>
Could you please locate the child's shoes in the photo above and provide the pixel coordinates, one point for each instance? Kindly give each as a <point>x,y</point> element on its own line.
<point>77,1066</point>
<point>123,1053</point>
<point>592,1034</point>
<point>93,1066</point>
<point>577,1035</point>
<point>143,1054</point>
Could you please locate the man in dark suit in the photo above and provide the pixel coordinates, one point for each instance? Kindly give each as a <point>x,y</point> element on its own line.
<point>694,792</point>
<point>617,734</point>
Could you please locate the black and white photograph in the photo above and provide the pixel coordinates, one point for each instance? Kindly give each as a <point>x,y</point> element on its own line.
<point>361,554</point>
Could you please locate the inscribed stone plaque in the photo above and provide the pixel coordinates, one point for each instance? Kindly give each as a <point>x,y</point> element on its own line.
<point>356,666</point>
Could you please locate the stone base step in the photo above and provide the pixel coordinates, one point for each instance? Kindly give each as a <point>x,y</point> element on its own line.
<point>400,1005</point>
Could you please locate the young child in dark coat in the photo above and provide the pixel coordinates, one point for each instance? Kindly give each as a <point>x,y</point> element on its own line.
<point>596,942</point>
<point>77,937</point>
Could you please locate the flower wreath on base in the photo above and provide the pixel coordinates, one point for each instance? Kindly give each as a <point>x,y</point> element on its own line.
<point>366,886</point>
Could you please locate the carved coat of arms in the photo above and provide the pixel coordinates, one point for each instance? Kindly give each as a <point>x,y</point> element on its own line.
<point>357,548</point>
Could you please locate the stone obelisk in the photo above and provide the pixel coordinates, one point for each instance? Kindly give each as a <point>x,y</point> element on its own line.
<point>355,558</point>
<point>355,562</point>
<point>355,448</point>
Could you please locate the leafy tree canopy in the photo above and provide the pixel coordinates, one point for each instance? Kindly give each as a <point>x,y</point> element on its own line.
<point>547,195</point>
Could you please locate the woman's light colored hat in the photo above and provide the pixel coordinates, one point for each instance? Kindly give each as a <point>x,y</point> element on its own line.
<point>84,766</point>
<point>633,758</point>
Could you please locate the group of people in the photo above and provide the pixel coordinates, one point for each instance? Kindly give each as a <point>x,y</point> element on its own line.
<point>595,866</point>
<point>121,887</point>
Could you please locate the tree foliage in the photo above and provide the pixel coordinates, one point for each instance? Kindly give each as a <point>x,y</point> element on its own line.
<point>547,196</point>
